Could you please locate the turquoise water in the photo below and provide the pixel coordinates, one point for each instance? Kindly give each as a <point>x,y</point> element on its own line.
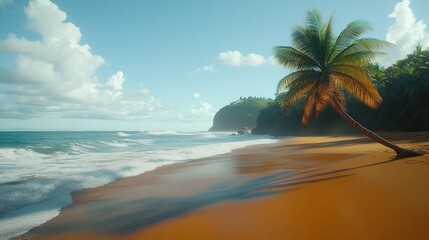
<point>39,170</point>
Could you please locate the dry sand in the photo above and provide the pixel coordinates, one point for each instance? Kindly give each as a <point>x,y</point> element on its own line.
<point>303,188</point>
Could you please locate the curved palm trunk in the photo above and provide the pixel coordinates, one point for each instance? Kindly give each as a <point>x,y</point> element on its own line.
<point>400,152</point>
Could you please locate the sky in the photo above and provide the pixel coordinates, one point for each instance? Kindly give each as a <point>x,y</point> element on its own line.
<point>162,65</point>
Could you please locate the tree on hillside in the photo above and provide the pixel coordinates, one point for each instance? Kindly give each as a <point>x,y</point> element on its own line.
<point>239,114</point>
<point>409,81</point>
<point>324,66</point>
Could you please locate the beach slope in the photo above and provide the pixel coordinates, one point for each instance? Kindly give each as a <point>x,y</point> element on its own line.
<point>300,188</point>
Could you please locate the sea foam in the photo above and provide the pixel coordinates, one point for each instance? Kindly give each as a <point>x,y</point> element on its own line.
<point>34,186</point>
<point>18,154</point>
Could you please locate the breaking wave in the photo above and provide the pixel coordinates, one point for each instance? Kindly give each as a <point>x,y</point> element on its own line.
<point>36,179</point>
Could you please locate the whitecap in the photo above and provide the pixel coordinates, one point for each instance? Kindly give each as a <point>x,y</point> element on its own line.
<point>54,176</point>
<point>122,134</point>
<point>18,154</point>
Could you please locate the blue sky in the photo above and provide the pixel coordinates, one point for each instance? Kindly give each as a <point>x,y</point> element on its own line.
<point>161,65</point>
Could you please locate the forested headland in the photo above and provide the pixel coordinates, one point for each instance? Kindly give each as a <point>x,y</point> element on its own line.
<point>403,86</point>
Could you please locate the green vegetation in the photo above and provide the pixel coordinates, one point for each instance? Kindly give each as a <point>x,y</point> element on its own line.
<point>325,68</point>
<point>404,88</point>
<point>239,114</point>
<point>273,120</point>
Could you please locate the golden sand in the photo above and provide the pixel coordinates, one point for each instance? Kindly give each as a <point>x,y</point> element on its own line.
<point>304,188</point>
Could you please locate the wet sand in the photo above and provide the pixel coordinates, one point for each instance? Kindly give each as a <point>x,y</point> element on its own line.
<point>301,188</point>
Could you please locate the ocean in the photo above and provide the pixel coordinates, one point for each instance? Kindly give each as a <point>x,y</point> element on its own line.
<point>39,170</point>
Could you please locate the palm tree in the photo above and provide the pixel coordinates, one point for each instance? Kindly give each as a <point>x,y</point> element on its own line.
<point>324,66</point>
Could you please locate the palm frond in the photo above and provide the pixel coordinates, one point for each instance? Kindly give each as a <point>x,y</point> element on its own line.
<point>323,97</point>
<point>297,76</point>
<point>315,38</point>
<point>362,48</point>
<point>361,58</point>
<point>309,106</point>
<point>359,73</point>
<point>366,93</point>
<point>328,39</point>
<point>297,92</point>
<point>315,22</point>
<point>318,98</point>
<point>351,33</point>
<point>293,58</point>
<point>371,44</point>
<point>302,40</point>
<point>317,30</point>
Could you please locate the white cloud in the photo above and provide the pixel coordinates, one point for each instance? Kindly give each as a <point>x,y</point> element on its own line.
<point>208,68</point>
<point>58,75</point>
<point>203,110</point>
<point>406,33</point>
<point>235,58</point>
<point>116,81</point>
<point>196,95</point>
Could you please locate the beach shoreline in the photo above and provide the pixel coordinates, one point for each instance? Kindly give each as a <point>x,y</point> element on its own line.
<point>42,171</point>
<point>269,191</point>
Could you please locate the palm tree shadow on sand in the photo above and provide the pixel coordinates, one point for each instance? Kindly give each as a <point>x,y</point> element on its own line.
<point>126,219</point>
